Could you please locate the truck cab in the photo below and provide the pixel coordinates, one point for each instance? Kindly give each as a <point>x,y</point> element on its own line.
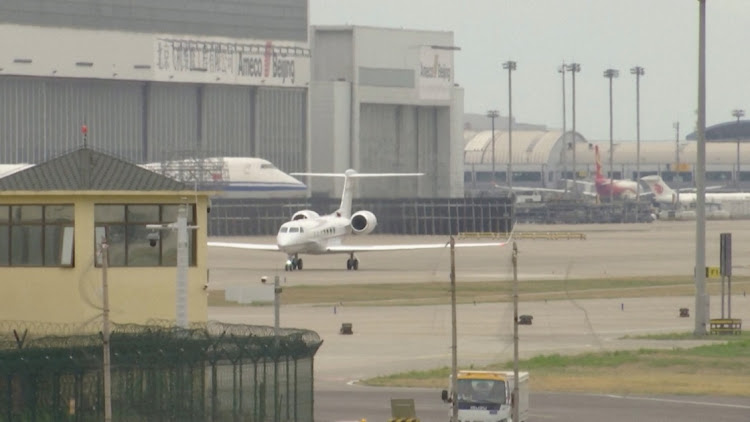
<point>485,396</point>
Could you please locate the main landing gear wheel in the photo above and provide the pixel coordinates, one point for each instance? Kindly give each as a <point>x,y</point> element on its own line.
<point>352,264</point>
<point>293,264</point>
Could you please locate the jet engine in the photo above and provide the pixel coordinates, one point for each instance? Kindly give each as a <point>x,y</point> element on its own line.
<point>363,222</point>
<point>304,214</point>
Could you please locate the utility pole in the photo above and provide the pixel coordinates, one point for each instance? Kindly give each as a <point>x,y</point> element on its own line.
<point>492,114</point>
<point>181,288</point>
<point>515,332</point>
<point>574,68</point>
<point>454,336</point>
<point>107,366</point>
<point>611,74</point>
<point>676,126</point>
<point>638,71</point>
<point>561,70</point>
<point>702,305</point>
<point>738,113</point>
<point>276,332</point>
<point>510,66</point>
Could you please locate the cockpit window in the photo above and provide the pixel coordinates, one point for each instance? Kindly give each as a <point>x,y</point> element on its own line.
<point>284,230</point>
<point>301,229</point>
<point>293,229</point>
<point>267,166</point>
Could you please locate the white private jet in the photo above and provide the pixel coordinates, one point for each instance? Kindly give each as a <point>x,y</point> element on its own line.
<point>310,233</point>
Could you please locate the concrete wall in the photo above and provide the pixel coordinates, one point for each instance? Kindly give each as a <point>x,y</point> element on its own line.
<point>73,295</point>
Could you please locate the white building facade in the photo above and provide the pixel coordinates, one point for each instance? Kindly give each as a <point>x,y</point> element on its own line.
<point>385,100</point>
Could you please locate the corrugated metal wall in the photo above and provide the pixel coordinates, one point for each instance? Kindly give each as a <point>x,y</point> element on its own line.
<point>280,136</point>
<point>41,118</point>
<point>22,121</point>
<point>229,121</point>
<point>145,122</point>
<point>399,138</point>
<point>172,120</point>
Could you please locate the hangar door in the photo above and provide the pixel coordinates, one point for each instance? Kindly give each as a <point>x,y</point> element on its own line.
<point>398,138</point>
<point>41,118</point>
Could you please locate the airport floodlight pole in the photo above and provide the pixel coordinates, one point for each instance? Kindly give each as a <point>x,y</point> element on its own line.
<point>514,402</point>
<point>574,68</point>
<point>738,113</point>
<point>676,126</point>
<point>107,366</point>
<point>611,74</point>
<point>638,71</point>
<point>561,70</point>
<point>510,66</point>
<point>493,114</point>
<point>454,336</point>
<point>702,304</point>
<point>181,227</point>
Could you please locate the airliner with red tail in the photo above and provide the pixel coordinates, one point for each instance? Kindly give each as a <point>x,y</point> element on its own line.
<point>617,188</point>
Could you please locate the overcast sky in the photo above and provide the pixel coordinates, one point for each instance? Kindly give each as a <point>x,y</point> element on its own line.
<point>659,35</point>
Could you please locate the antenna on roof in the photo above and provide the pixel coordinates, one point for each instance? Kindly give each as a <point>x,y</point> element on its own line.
<point>85,132</point>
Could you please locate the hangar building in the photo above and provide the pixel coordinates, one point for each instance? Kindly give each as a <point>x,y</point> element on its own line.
<point>154,79</point>
<point>542,158</point>
<point>384,100</point>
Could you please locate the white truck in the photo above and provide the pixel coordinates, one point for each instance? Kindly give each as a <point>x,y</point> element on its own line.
<point>485,396</point>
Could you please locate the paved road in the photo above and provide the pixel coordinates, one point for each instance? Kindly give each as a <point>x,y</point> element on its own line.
<point>352,403</point>
<point>394,339</point>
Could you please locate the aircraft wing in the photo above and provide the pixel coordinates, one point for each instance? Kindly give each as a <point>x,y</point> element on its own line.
<point>409,247</point>
<point>523,189</point>
<point>250,246</point>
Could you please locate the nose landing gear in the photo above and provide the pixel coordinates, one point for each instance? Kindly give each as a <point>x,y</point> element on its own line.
<point>293,263</point>
<point>352,263</point>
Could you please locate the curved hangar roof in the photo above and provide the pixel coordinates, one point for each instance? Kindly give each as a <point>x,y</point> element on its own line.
<point>544,147</point>
<point>529,146</point>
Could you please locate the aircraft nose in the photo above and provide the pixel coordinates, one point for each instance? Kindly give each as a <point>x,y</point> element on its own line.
<point>282,240</point>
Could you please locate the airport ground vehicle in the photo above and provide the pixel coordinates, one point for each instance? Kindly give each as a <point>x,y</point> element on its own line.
<point>485,396</point>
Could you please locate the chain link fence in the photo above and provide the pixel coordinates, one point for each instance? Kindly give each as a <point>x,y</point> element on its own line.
<point>436,216</point>
<point>207,372</point>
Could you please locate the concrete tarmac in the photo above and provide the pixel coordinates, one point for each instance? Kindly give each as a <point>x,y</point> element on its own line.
<point>392,339</point>
<point>610,250</point>
<point>387,340</point>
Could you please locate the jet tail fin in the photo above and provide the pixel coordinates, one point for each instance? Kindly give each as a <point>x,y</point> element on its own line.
<point>662,191</point>
<point>598,161</point>
<point>345,209</point>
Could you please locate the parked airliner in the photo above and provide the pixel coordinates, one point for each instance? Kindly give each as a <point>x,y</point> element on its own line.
<point>616,188</point>
<point>733,204</point>
<point>310,233</point>
<point>233,177</point>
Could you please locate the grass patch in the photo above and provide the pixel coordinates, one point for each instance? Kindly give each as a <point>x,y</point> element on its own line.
<point>723,370</point>
<point>410,294</point>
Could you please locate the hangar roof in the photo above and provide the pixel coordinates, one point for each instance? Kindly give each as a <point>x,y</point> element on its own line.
<point>663,152</point>
<point>529,146</point>
<point>725,131</point>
